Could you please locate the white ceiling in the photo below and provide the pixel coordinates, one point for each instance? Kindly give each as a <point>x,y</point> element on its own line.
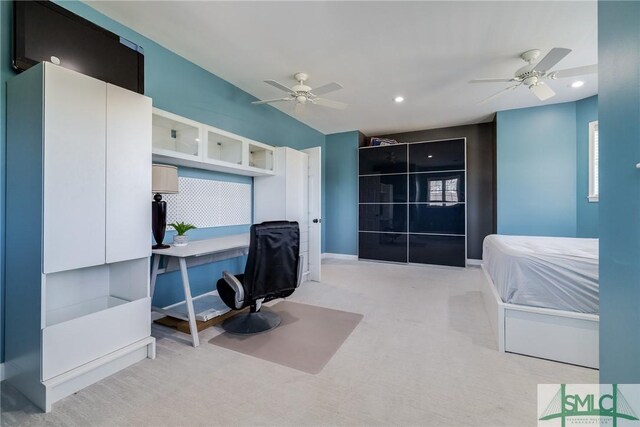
<point>425,51</point>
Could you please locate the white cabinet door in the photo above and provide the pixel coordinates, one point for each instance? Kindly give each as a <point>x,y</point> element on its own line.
<point>128,210</point>
<point>74,170</point>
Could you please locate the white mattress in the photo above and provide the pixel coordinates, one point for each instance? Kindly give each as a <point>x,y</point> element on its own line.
<point>550,272</point>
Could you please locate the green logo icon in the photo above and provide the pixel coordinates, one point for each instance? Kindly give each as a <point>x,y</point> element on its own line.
<point>565,405</point>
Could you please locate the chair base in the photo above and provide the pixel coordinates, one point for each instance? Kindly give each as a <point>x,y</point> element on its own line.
<point>251,323</point>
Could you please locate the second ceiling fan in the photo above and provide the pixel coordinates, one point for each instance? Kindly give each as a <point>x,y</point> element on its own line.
<point>533,75</point>
<point>303,94</point>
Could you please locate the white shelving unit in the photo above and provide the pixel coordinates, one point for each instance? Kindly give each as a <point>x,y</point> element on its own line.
<point>285,196</point>
<point>183,142</point>
<point>78,217</point>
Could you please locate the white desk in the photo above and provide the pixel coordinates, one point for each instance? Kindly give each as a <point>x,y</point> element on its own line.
<point>197,252</point>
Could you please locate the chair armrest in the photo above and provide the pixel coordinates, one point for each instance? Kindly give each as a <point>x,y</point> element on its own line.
<point>237,287</point>
<point>300,270</point>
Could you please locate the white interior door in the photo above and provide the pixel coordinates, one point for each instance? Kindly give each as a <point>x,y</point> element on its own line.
<point>315,210</point>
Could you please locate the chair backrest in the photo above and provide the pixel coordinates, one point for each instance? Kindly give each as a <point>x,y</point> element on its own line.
<point>272,263</point>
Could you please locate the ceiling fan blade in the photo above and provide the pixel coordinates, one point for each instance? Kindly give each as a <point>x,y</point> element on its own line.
<point>298,109</point>
<point>268,101</point>
<point>491,80</point>
<point>554,56</point>
<point>572,72</point>
<point>331,87</point>
<point>542,91</point>
<point>496,95</point>
<point>279,86</point>
<point>329,103</point>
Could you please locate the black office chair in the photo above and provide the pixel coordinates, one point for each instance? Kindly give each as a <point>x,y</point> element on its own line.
<point>273,270</point>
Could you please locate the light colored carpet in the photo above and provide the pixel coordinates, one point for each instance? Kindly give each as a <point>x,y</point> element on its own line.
<point>424,355</point>
<point>306,339</point>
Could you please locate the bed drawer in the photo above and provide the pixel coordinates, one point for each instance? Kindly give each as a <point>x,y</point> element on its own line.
<point>565,339</point>
<point>102,332</point>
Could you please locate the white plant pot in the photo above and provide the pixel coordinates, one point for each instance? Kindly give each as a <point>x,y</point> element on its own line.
<point>180,240</point>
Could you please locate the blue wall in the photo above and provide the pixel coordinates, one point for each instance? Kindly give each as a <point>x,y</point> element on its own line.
<point>536,170</point>
<point>619,132</point>
<point>341,189</point>
<point>587,212</point>
<point>181,87</point>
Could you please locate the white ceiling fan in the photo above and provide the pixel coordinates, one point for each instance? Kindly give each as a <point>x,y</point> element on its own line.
<point>303,94</point>
<point>533,76</point>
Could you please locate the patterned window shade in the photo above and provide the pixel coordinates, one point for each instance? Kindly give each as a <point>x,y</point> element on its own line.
<point>206,203</point>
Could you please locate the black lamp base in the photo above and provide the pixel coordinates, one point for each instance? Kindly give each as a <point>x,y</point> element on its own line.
<point>159,221</point>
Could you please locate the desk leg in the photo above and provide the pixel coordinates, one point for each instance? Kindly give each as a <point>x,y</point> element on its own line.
<point>154,275</point>
<point>193,327</point>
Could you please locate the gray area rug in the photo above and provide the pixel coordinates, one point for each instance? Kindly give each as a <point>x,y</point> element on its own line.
<point>306,339</point>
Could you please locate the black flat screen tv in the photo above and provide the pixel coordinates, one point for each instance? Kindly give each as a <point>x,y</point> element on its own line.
<point>44,31</point>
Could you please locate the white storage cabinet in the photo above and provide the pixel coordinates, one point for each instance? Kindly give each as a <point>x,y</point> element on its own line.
<point>77,230</point>
<point>285,196</point>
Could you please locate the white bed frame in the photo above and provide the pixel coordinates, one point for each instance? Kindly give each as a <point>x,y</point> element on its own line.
<point>559,335</point>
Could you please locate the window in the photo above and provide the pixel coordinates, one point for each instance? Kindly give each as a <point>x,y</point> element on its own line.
<point>435,190</point>
<point>450,190</point>
<point>451,187</point>
<point>593,162</point>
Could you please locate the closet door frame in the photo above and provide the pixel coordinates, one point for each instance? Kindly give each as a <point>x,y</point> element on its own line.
<point>408,202</point>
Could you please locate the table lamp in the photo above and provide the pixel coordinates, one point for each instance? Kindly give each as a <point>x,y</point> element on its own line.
<point>164,181</point>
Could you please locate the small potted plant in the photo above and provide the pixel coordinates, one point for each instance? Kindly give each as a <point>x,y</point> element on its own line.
<point>181,239</point>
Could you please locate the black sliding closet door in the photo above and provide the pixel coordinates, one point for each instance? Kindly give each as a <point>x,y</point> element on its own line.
<point>412,203</point>
<point>437,214</point>
<point>383,192</point>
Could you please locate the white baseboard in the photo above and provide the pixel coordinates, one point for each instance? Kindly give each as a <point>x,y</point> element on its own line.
<point>339,256</point>
<point>325,255</point>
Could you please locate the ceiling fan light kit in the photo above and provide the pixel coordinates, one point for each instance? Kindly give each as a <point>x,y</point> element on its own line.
<point>533,75</point>
<point>303,94</point>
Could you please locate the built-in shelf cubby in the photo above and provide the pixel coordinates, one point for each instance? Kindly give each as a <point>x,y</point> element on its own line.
<point>224,148</point>
<point>260,157</point>
<point>76,293</point>
<point>176,136</point>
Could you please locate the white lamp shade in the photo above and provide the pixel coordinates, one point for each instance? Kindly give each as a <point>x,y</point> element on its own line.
<point>165,179</point>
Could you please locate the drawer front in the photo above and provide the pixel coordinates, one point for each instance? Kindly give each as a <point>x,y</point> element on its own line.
<point>70,344</point>
<point>558,338</point>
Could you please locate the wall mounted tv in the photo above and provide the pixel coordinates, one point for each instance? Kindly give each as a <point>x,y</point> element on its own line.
<point>44,31</point>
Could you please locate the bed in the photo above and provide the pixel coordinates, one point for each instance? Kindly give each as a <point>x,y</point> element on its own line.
<point>541,294</point>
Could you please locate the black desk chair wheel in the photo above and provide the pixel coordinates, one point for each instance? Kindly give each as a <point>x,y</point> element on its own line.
<point>273,270</point>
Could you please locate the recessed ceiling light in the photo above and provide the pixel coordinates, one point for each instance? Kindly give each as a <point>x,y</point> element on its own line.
<point>577,84</point>
<point>398,99</point>
<point>430,156</point>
